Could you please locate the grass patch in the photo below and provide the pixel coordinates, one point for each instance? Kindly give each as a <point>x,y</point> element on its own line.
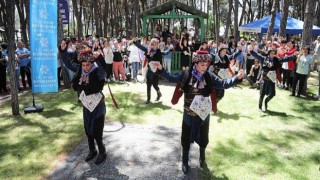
<point>244,143</point>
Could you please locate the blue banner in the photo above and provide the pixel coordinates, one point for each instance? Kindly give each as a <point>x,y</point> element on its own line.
<point>64,11</point>
<point>43,42</point>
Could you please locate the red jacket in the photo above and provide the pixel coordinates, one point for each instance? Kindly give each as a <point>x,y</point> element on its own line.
<point>291,64</point>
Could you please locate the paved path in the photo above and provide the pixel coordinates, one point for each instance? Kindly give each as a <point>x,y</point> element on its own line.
<point>134,151</point>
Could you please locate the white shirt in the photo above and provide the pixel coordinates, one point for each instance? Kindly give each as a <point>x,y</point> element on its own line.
<point>108,55</point>
<point>134,53</point>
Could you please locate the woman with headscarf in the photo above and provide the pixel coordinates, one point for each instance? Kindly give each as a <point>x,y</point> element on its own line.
<point>153,54</point>
<point>89,80</point>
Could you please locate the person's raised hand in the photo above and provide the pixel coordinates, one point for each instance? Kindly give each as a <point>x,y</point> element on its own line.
<point>159,66</point>
<point>240,74</point>
<point>250,48</point>
<point>239,47</point>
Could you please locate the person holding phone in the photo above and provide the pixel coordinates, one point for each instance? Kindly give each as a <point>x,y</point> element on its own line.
<point>304,61</point>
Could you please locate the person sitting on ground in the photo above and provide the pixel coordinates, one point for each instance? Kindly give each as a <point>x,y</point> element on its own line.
<point>254,75</point>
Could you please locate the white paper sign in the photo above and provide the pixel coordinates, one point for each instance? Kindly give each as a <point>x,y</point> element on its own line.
<point>272,76</point>
<point>91,101</point>
<point>224,74</point>
<point>154,65</point>
<point>201,106</point>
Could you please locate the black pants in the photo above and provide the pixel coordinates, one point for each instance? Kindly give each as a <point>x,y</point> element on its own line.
<point>3,76</point>
<point>25,71</point>
<point>287,80</point>
<point>59,76</point>
<point>97,129</point>
<point>249,64</point>
<point>153,81</point>
<point>186,133</point>
<point>267,88</point>
<point>302,80</point>
<point>109,71</point>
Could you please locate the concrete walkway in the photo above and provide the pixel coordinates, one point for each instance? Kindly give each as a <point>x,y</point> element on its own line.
<point>134,151</point>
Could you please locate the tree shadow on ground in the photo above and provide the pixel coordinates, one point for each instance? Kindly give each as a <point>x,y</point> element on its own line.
<point>132,106</point>
<point>267,150</point>
<point>228,116</point>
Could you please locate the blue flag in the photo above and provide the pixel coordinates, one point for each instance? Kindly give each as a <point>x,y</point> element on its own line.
<point>64,11</point>
<point>43,42</point>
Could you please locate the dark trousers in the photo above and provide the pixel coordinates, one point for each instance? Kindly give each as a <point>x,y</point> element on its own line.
<point>152,81</point>
<point>3,76</point>
<point>186,134</point>
<point>25,71</point>
<point>287,80</point>
<point>302,80</point>
<point>59,76</point>
<point>249,64</point>
<point>267,87</point>
<point>97,129</point>
<point>109,71</point>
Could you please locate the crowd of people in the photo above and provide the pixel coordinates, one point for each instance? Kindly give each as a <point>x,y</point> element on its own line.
<point>125,58</point>
<point>206,69</point>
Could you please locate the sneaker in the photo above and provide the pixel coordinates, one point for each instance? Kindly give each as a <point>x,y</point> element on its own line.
<point>108,80</point>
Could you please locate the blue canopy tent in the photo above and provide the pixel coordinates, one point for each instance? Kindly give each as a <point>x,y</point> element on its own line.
<point>294,26</point>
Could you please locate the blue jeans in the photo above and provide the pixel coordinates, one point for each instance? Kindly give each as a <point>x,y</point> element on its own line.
<point>135,69</point>
<point>168,64</point>
<point>17,77</point>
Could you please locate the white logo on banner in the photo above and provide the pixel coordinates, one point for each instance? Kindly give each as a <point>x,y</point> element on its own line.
<point>43,13</point>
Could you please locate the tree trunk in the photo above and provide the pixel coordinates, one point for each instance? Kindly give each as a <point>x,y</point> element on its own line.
<point>272,20</point>
<point>318,14</point>
<point>7,19</point>
<point>243,12</point>
<point>307,29</point>
<point>97,18</point>
<point>105,18</point>
<point>135,18</point>
<point>235,24</point>
<point>283,23</point>
<point>126,16</point>
<point>271,2</point>
<point>250,12</point>
<point>27,5</point>
<point>228,20</point>
<point>217,20</point>
<point>20,4</point>
<point>308,22</point>
<point>78,14</point>
<point>259,9</point>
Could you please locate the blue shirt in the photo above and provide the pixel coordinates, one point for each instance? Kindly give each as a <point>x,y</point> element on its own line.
<point>23,61</point>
